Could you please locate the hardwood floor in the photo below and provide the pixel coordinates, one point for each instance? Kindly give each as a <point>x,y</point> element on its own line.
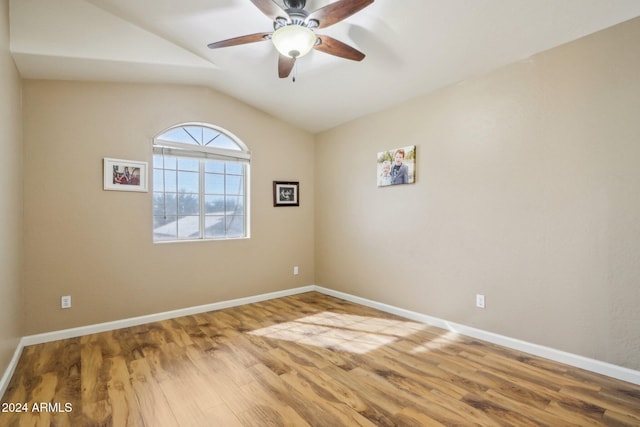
<point>304,360</point>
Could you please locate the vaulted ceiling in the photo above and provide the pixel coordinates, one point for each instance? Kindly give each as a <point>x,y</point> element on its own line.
<point>412,47</point>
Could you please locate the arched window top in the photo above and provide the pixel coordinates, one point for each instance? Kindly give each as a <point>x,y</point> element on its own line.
<point>202,137</point>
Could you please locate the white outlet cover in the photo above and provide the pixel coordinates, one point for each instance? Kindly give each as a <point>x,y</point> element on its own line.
<point>65,302</point>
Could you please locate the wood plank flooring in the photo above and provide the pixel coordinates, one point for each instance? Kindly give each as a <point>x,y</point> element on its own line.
<point>304,360</point>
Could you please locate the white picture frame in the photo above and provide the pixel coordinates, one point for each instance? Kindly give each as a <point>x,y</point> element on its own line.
<point>125,175</point>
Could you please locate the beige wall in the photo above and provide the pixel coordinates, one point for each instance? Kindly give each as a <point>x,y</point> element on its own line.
<point>528,192</point>
<point>97,245</point>
<point>11,310</point>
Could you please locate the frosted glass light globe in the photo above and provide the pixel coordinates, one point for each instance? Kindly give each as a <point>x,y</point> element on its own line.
<point>293,41</point>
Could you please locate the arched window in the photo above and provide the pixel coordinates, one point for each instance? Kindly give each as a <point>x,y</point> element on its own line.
<point>200,184</point>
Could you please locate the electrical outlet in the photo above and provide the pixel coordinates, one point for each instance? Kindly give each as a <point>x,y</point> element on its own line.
<point>296,271</point>
<point>65,301</point>
<point>480,301</point>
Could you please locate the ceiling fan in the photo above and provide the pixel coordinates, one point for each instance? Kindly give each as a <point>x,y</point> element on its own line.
<point>293,30</point>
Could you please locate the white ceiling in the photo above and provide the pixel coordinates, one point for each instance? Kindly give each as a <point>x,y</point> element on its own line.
<point>412,47</point>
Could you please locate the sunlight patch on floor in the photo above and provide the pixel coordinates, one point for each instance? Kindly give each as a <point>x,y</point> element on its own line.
<point>444,340</point>
<point>344,332</point>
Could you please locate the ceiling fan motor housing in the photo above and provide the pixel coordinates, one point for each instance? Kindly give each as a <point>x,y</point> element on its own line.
<point>295,4</point>
<point>297,16</point>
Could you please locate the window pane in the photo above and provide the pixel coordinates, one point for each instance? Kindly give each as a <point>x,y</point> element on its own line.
<point>214,167</point>
<point>214,226</point>
<point>189,227</point>
<point>188,204</point>
<point>189,165</point>
<point>213,183</point>
<point>235,226</point>
<point>225,142</point>
<point>209,136</point>
<point>176,135</point>
<point>235,205</point>
<point>165,228</point>
<point>170,181</point>
<point>188,182</point>
<point>158,204</point>
<point>165,204</point>
<point>214,204</point>
<point>194,133</point>
<point>158,180</point>
<point>235,168</point>
<point>167,162</point>
<point>234,184</point>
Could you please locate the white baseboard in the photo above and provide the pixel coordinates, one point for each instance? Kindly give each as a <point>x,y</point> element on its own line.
<point>134,321</point>
<point>141,320</point>
<point>8,373</point>
<point>597,366</point>
<point>604,368</point>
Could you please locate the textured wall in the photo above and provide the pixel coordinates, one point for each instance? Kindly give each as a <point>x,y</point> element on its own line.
<point>528,191</point>
<point>11,314</point>
<point>97,245</point>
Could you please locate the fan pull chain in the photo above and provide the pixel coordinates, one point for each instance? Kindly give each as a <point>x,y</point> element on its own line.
<point>295,71</point>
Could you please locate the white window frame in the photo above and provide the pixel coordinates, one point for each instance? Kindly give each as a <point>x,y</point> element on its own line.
<point>203,153</point>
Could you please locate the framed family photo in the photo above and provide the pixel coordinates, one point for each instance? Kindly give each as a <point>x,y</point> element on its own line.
<point>286,193</point>
<point>125,175</point>
<point>397,166</point>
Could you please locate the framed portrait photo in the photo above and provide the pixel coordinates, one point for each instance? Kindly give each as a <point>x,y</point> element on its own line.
<point>125,175</point>
<point>397,166</point>
<point>286,193</point>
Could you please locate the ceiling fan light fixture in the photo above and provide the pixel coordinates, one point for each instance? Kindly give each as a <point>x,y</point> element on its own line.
<point>293,41</point>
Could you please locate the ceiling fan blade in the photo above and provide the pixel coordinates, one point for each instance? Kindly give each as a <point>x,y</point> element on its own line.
<point>336,12</point>
<point>251,38</point>
<point>270,8</point>
<point>336,47</point>
<point>285,65</point>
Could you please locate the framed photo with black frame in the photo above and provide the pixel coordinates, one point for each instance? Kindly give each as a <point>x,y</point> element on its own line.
<point>286,193</point>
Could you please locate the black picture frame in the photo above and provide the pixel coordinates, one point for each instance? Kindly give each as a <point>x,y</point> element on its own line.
<point>286,193</point>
